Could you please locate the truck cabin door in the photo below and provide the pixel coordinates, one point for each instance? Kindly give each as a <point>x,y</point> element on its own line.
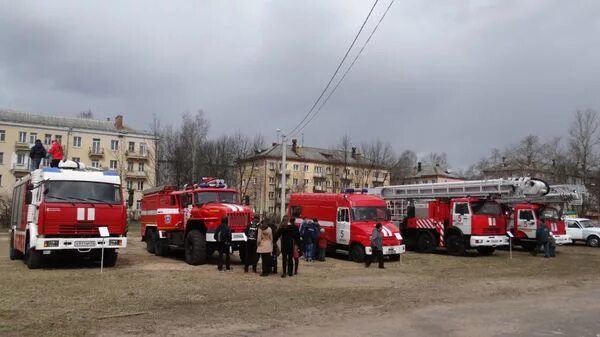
<point>527,223</point>
<point>462,217</point>
<point>342,228</point>
<point>574,230</point>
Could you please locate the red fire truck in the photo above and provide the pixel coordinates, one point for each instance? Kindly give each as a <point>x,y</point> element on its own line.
<point>60,210</point>
<point>187,218</point>
<point>456,215</point>
<point>348,219</point>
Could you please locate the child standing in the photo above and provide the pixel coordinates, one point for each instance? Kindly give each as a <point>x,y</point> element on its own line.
<point>322,244</point>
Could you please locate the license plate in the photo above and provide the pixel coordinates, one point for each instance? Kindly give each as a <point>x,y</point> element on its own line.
<point>84,244</point>
<point>391,251</point>
<point>239,236</point>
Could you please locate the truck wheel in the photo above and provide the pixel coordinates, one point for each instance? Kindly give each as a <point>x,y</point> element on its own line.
<point>395,257</point>
<point>426,242</point>
<point>151,240</point>
<point>455,245</point>
<point>357,253</point>
<point>195,247</point>
<point>161,247</point>
<point>13,253</point>
<point>110,257</point>
<point>33,257</point>
<point>486,251</point>
<point>593,241</point>
<point>528,246</point>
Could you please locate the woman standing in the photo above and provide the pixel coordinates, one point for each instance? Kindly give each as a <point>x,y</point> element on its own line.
<point>264,247</point>
<point>56,151</point>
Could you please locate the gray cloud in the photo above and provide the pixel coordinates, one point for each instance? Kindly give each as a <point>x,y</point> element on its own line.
<point>460,77</point>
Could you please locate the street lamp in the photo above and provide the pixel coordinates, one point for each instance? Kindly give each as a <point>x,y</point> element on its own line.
<point>283,167</point>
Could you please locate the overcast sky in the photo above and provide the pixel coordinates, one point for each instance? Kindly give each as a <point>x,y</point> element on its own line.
<point>454,76</point>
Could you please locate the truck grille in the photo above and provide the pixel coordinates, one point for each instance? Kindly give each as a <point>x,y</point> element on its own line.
<point>237,220</point>
<point>78,229</point>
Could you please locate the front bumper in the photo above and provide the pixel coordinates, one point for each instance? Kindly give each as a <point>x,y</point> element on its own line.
<point>388,250</point>
<point>488,241</point>
<point>80,244</point>
<point>562,239</point>
<point>235,237</point>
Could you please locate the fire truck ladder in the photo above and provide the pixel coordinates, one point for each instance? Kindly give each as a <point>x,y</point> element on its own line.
<point>558,194</point>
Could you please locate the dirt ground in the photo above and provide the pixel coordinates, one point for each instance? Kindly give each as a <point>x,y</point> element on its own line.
<point>424,295</point>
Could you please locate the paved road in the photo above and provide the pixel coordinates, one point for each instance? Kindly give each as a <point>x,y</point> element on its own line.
<point>568,313</point>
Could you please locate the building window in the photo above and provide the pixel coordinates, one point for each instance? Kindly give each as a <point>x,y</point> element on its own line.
<point>254,180</point>
<point>0,180</point>
<point>318,169</point>
<point>129,166</point>
<point>356,185</point>
<point>336,184</point>
<point>328,170</point>
<point>305,168</point>
<point>140,185</point>
<point>22,137</point>
<point>295,181</point>
<point>96,145</point>
<point>271,209</point>
<point>305,182</point>
<point>271,180</point>
<point>95,163</point>
<point>47,139</point>
<point>45,162</point>
<point>32,137</point>
<point>131,147</point>
<point>271,195</point>
<point>77,159</point>
<point>141,167</point>
<point>271,165</point>
<point>129,185</point>
<point>328,183</point>
<point>113,164</point>
<point>114,145</point>
<point>76,141</point>
<point>143,149</point>
<point>20,159</point>
<point>296,167</point>
<point>58,138</point>
<point>2,135</point>
<point>1,158</point>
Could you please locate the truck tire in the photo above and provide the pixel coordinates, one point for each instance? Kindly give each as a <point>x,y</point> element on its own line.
<point>426,242</point>
<point>161,247</point>
<point>110,257</point>
<point>13,253</point>
<point>528,246</point>
<point>593,241</point>
<point>455,245</point>
<point>357,253</point>
<point>195,247</point>
<point>33,257</point>
<point>151,240</point>
<point>486,251</point>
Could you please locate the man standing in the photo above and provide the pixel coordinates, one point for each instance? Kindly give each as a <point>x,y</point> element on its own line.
<point>376,247</point>
<point>251,235</point>
<point>223,239</point>
<point>541,236</point>
<point>308,239</point>
<point>56,151</point>
<point>317,228</point>
<point>37,153</point>
<point>289,235</point>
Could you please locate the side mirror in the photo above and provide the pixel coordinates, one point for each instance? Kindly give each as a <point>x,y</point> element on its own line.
<point>28,197</point>
<point>130,198</point>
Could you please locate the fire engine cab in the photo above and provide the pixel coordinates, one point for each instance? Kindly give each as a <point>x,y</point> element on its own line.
<point>188,218</point>
<point>60,210</point>
<point>456,215</point>
<point>349,219</point>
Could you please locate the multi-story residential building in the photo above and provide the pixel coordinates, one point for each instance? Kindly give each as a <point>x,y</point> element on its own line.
<point>429,174</point>
<point>307,169</point>
<point>98,144</point>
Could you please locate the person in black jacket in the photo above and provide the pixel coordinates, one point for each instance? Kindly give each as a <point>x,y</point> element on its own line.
<point>37,153</point>
<point>223,239</point>
<point>275,252</point>
<point>251,235</point>
<point>290,236</point>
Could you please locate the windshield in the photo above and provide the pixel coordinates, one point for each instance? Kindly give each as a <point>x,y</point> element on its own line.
<point>370,213</point>
<point>549,214</point>
<point>587,223</point>
<point>207,197</point>
<point>78,191</point>
<point>486,207</point>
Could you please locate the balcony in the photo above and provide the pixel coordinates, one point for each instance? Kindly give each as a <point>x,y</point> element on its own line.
<point>319,175</point>
<point>137,155</point>
<point>287,188</point>
<point>96,152</point>
<point>318,188</point>
<point>136,175</point>
<point>379,179</point>
<point>20,167</point>
<point>287,172</point>
<point>19,146</point>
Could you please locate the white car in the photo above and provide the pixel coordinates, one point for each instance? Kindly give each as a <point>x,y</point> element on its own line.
<point>581,229</point>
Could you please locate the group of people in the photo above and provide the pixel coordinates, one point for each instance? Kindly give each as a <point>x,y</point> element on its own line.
<point>267,242</point>
<point>38,153</point>
<point>544,241</point>
<point>314,242</point>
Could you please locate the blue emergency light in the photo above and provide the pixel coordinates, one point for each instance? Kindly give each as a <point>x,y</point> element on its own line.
<point>349,190</point>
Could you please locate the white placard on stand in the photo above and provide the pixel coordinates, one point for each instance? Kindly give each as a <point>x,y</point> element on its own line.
<point>104,234</point>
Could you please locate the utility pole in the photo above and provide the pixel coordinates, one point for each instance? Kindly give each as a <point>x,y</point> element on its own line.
<point>283,171</point>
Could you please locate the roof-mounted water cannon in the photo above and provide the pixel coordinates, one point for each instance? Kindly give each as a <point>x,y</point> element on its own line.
<point>531,187</point>
<point>71,165</point>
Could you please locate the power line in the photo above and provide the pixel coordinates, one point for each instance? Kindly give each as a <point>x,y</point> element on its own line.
<point>347,70</point>
<point>337,69</point>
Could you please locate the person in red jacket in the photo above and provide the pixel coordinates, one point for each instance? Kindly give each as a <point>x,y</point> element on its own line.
<point>56,151</point>
<point>322,243</point>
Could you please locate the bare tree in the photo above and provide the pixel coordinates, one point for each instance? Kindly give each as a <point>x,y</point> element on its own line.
<point>436,159</point>
<point>345,146</point>
<point>376,155</point>
<point>85,114</point>
<point>403,167</point>
<point>583,140</point>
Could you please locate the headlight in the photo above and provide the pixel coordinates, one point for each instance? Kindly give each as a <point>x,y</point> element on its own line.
<point>114,242</point>
<point>398,236</point>
<point>51,243</point>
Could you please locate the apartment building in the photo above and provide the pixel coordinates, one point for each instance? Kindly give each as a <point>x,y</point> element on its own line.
<point>308,169</point>
<point>108,144</point>
<point>429,174</point>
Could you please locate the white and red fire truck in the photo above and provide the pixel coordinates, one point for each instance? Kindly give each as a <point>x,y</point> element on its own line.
<point>187,218</point>
<point>349,219</point>
<point>60,210</point>
<point>456,215</point>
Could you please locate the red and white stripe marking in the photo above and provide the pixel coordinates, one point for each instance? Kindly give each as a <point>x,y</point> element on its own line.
<point>440,231</point>
<point>426,224</point>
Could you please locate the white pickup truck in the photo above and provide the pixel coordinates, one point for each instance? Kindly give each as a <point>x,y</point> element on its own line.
<point>581,229</point>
